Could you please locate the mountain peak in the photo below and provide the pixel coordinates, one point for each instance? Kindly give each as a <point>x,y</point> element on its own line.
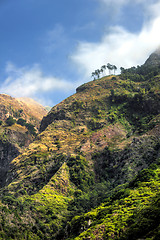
<point>154,58</point>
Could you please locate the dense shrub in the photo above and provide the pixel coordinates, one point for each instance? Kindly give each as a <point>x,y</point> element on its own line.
<point>79,172</point>
<point>21,122</point>
<point>31,128</point>
<point>143,176</point>
<point>10,121</point>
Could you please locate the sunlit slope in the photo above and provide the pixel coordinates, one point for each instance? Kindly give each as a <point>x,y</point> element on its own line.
<point>90,143</point>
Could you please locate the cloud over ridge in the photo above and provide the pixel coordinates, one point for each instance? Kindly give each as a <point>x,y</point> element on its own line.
<point>120,46</point>
<point>28,82</point>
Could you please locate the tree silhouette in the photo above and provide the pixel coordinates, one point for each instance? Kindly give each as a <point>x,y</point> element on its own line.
<point>110,67</point>
<point>101,70</point>
<point>122,69</point>
<point>98,73</point>
<point>114,68</point>
<point>93,75</point>
<point>104,68</point>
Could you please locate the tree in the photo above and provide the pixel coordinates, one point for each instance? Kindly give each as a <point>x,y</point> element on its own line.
<point>122,70</point>
<point>104,68</point>
<point>101,70</point>
<point>93,75</point>
<point>114,68</point>
<point>30,128</point>
<point>97,72</point>
<point>110,67</point>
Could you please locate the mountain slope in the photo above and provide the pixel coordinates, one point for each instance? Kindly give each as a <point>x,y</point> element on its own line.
<point>90,145</point>
<point>32,108</point>
<point>154,58</point>
<point>19,123</point>
<point>21,107</point>
<point>131,212</point>
<point>15,114</point>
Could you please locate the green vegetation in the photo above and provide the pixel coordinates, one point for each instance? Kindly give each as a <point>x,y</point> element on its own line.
<point>110,67</point>
<point>94,171</point>
<point>10,121</point>
<point>79,172</point>
<point>21,121</point>
<point>29,126</point>
<point>126,214</point>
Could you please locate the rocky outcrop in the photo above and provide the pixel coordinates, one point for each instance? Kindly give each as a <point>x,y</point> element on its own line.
<point>7,153</point>
<point>154,58</point>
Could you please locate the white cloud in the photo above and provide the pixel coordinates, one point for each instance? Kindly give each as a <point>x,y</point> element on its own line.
<point>119,46</point>
<point>30,82</point>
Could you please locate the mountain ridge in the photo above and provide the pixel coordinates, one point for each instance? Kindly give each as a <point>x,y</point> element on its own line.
<point>93,165</point>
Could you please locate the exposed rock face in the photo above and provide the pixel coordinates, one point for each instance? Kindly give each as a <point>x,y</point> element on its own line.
<point>154,58</point>
<point>7,153</point>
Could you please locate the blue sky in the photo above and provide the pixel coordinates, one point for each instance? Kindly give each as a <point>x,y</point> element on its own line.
<point>48,48</point>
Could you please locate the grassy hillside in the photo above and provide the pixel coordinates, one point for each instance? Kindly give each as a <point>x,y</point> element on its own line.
<point>78,179</point>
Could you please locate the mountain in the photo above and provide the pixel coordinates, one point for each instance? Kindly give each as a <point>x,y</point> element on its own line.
<point>19,122</point>
<point>26,108</point>
<point>154,58</point>
<point>93,171</point>
<point>32,108</point>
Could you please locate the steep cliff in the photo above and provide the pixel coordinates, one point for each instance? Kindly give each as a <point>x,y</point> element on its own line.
<point>8,152</point>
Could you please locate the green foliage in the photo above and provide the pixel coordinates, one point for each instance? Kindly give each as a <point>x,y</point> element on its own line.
<point>10,121</point>
<point>85,201</point>
<point>80,173</point>
<point>77,105</point>
<point>31,128</point>
<point>125,215</point>
<point>21,121</point>
<point>55,194</point>
<point>141,73</point>
<point>144,176</point>
<point>93,124</point>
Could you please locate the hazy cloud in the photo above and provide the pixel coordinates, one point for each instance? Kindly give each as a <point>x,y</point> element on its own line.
<point>119,46</point>
<point>114,8</point>
<point>29,82</point>
<point>54,38</point>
